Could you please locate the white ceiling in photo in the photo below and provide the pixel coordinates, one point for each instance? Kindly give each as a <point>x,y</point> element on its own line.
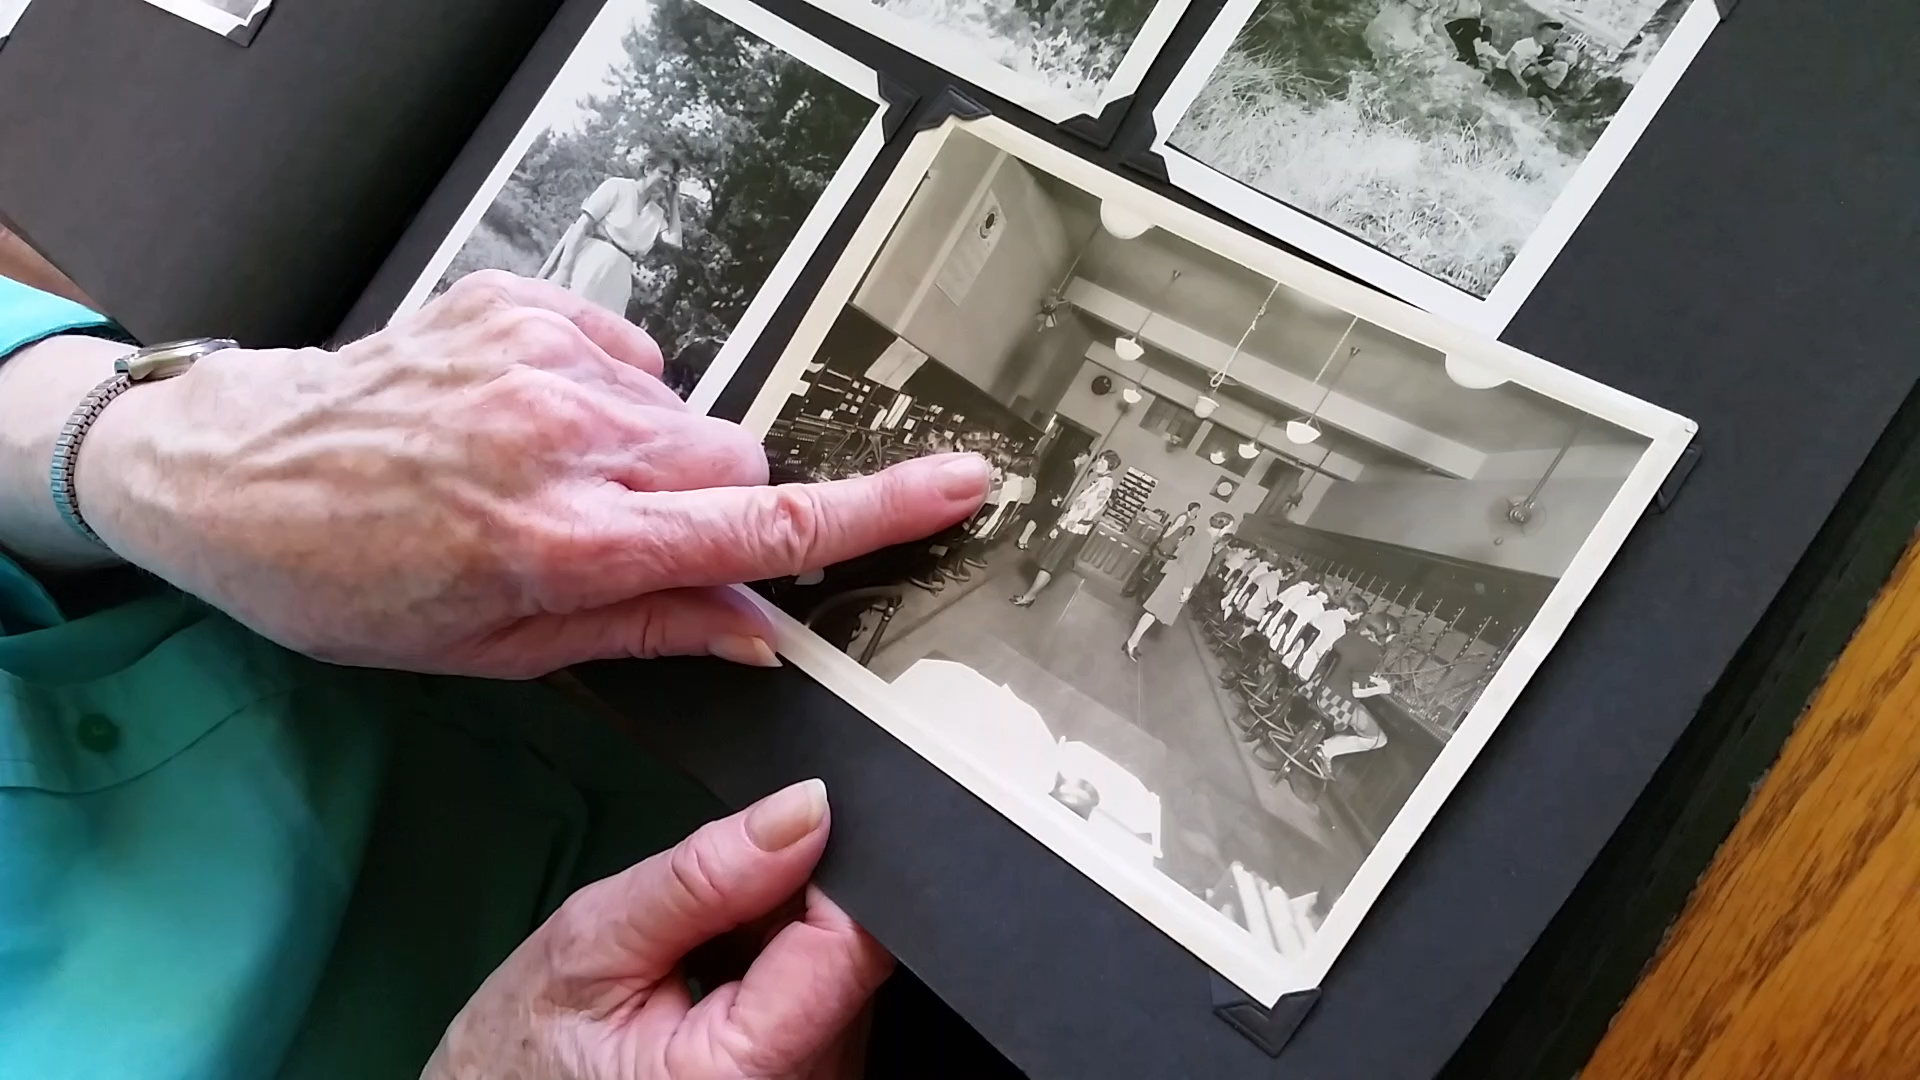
<point>1388,375</point>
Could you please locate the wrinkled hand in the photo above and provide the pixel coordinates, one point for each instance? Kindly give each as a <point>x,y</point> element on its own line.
<point>497,485</point>
<point>596,994</point>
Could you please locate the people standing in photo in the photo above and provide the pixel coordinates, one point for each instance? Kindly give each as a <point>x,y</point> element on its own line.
<point>1019,493</point>
<point>1037,514</point>
<point>619,224</point>
<point>1181,520</point>
<point>1189,565</point>
<point>1069,534</point>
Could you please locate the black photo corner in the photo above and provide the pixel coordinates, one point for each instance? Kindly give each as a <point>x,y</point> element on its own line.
<point>291,191</point>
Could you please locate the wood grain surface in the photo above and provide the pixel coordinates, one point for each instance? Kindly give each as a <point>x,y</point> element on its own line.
<point>1799,954</point>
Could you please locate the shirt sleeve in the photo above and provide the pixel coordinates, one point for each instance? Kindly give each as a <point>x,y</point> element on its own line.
<point>28,315</point>
<point>603,200</point>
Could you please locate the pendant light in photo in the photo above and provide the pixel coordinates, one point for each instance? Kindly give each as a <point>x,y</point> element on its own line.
<point>1207,404</point>
<point>1054,309</point>
<point>1129,348</point>
<point>1251,448</point>
<point>1122,222</point>
<point>1472,374</point>
<point>1306,430</point>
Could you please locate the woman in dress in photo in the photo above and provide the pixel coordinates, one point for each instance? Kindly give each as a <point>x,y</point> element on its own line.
<point>1069,534</point>
<point>619,225</point>
<point>1189,565</point>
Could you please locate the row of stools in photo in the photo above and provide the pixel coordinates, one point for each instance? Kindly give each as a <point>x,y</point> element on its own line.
<point>1276,717</point>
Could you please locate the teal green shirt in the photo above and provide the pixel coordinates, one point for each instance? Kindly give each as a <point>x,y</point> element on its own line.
<point>219,859</point>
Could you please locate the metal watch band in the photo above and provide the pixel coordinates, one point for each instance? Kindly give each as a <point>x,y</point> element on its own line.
<point>145,365</point>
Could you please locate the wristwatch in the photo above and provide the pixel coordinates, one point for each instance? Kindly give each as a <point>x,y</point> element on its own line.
<point>151,364</point>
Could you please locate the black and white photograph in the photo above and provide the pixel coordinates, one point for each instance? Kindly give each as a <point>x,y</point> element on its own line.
<point>1441,149</point>
<point>1266,556</point>
<point>228,18</point>
<point>1058,58</point>
<point>679,171</point>
<point>10,12</point>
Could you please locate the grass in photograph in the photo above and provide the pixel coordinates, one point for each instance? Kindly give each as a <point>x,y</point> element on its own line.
<point>1071,46</point>
<point>1409,149</point>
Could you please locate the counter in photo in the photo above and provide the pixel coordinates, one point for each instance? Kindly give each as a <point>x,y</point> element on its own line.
<point>679,171</point>
<point>1266,558</point>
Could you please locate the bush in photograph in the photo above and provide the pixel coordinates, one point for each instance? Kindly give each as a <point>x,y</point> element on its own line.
<point>758,134</point>
<point>1071,46</point>
<point>1404,145</point>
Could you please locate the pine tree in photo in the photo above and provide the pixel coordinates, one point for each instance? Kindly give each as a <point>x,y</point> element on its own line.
<point>758,135</point>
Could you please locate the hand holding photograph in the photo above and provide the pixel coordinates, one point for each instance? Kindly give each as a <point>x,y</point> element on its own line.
<point>1441,149</point>
<point>1058,58</point>
<point>1266,558</point>
<point>679,171</point>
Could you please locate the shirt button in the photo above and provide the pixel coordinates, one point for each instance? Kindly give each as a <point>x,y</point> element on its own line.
<point>98,734</point>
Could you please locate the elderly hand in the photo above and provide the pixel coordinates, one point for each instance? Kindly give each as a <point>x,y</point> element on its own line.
<point>595,994</point>
<point>498,485</point>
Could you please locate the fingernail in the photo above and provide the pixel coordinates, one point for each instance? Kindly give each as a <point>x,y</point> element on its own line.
<point>787,817</point>
<point>742,649</point>
<point>963,476</point>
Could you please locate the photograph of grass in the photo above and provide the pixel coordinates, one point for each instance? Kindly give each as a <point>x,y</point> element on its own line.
<point>1060,58</point>
<point>1443,133</point>
<point>678,172</point>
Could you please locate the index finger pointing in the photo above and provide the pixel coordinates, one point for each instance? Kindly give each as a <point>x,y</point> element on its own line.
<point>722,536</point>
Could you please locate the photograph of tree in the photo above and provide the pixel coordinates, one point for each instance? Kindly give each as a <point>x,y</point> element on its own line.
<point>1439,131</point>
<point>684,158</point>
<point>1072,47</point>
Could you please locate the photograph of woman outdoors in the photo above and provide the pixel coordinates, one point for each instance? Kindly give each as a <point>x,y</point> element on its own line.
<point>1438,131</point>
<point>680,156</point>
<point>622,220</point>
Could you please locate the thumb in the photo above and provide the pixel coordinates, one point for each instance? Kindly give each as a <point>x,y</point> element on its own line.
<point>637,926</point>
<point>715,621</point>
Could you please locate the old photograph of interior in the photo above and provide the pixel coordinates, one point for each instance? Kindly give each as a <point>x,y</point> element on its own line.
<point>1059,58</point>
<point>1249,562</point>
<point>1441,149</point>
<point>679,171</point>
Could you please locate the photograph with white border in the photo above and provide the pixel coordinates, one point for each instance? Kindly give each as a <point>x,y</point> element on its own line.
<point>222,17</point>
<point>1442,150</point>
<point>1267,554</point>
<point>1057,58</point>
<point>10,12</point>
<point>680,170</point>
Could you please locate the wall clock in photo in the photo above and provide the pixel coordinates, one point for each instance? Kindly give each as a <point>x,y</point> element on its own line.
<point>1224,488</point>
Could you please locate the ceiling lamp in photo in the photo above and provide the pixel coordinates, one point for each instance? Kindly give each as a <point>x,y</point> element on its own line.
<point>1129,347</point>
<point>1207,404</point>
<point>1055,308</point>
<point>1472,374</point>
<point>1307,429</point>
<point>1130,395</point>
<point>1251,448</point>
<point>1218,457</point>
<point>1123,223</point>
